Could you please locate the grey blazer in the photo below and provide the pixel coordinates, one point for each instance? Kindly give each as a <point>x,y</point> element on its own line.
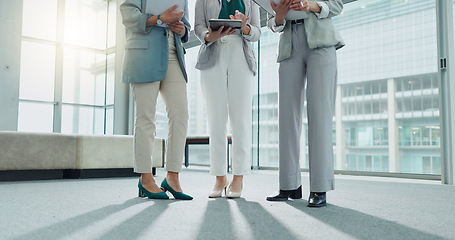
<point>208,52</point>
<point>320,32</point>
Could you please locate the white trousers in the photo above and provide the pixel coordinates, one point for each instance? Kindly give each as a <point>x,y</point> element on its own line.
<point>174,93</point>
<point>227,87</point>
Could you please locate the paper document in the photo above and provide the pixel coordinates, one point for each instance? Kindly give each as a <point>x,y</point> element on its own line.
<point>157,7</point>
<point>292,15</point>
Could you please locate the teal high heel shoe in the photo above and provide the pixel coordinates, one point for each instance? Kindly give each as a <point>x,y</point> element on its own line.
<point>177,195</point>
<point>144,193</point>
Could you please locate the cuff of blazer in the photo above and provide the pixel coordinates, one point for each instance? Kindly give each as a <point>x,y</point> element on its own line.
<point>186,36</point>
<point>252,35</point>
<point>274,27</point>
<point>324,10</point>
<point>147,29</point>
<point>205,42</point>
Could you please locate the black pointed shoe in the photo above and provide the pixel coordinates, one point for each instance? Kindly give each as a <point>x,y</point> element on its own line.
<point>317,199</point>
<point>285,194</point>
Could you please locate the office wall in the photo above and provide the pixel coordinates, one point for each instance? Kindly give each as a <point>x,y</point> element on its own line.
<point>10,53</point>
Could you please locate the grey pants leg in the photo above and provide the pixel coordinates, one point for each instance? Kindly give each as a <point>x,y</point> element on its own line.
<point>318,68</point>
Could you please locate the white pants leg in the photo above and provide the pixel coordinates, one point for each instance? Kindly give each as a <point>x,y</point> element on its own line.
<point>227,87</point>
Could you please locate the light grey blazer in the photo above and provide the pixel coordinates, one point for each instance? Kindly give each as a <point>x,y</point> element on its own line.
<point>320,32</point>
<point>208,52</point>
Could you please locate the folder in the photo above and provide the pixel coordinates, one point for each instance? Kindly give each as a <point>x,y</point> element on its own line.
<point>292,15</point>
<point>157,7</point>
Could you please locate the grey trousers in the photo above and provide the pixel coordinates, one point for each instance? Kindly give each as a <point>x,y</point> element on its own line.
<point>317,68</point>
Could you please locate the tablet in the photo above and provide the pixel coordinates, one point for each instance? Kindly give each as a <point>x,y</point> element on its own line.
<point>215,24</point>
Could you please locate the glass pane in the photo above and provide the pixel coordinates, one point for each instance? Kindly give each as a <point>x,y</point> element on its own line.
<point>427,104</point>
<point>377,164</point>
<point>407,105</point>
<point>40,19</point>
<point>37,71</point>
<point>197,124</point>
<point>83,77</point>
<point>417,104</point>
<point>199,155</point>
<point>436,165</point>
<point>384,46</point>
<point>268,103</point>
<point>82,120</point>
<point>426,135</point>
<point>417,164</point>
<point>35,117</point>
<point>435,136</point>
<point>385,163</point>
<point>359,108</point>
<point>406,163</point>
<point>112,21</point>
<point>367,107</point>
<point>368,163</point>
<point>110,79</point>
<point>416,136</point>
<point>426,165</point>
<point>109,121</point>
<point>361,163</point>
<point>85,23</point>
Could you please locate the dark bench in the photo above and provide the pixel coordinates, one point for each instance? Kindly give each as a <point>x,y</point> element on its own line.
<point>200,141</point>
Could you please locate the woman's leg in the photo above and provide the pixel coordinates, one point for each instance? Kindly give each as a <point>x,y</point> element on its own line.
<point>174,93</point>
<point>321,91</point>
<point>145,95</point>
<point>240,96</point>
<point>214,88</point>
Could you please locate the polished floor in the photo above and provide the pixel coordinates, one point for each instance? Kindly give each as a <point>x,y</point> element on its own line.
<point>359,208</point>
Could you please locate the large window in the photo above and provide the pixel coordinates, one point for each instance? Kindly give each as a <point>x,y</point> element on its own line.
<point>67,66</point>
<point>388,78</point>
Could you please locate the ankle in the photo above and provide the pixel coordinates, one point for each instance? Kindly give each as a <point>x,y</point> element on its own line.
<point>221,180</point>
<point>147,178</point>
<point>237,179</point>
<point>172,176</point>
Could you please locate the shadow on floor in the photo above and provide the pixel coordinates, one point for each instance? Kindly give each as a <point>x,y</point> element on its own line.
<point>360,225</point>
<point>70,226</point>
<point>217,221</point>
<point>262,223</point>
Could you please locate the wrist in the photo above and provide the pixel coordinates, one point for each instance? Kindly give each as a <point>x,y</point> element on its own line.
<point>246,29</point>
<point>279,21</point>
<point>314,7</point>
<point>158,20</point>
<point>163,19</point>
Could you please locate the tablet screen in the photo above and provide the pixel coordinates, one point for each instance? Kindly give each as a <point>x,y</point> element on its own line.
<point>215,24</point>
